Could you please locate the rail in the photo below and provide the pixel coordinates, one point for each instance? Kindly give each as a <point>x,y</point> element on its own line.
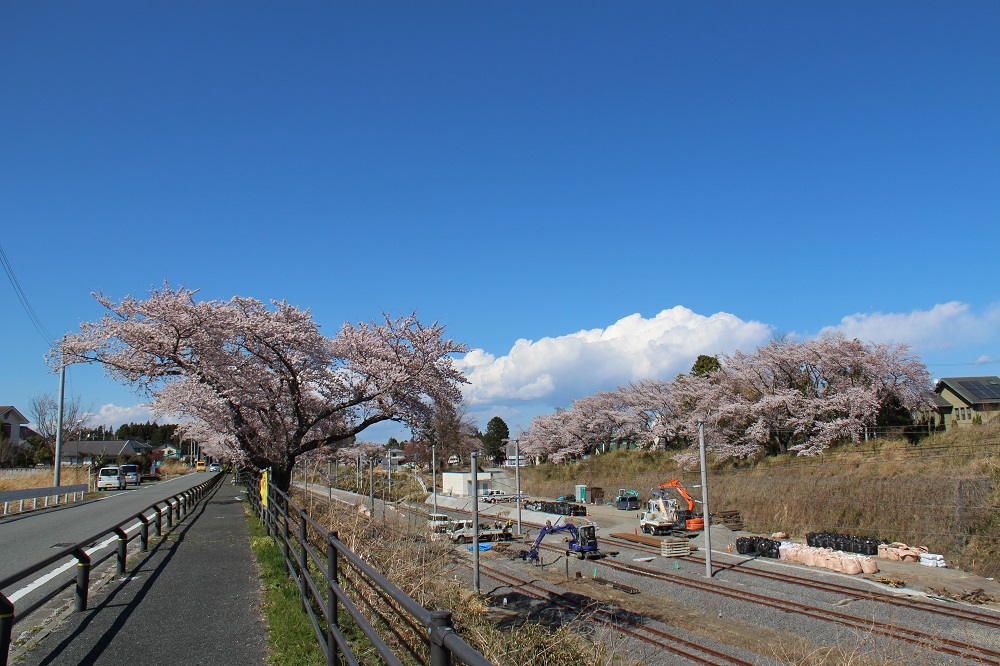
<point>324,578</point>
<point>33,494</point>
<point>178,505</point>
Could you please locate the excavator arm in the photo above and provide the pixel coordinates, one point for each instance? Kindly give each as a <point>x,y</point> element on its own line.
<point>544,532</point>
<point>676,485</point>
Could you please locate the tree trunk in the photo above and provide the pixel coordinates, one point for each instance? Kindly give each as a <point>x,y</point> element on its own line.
<point>281,476</point>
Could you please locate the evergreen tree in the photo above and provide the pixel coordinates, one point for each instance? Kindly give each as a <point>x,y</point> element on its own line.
<point>705,365</point>
<point>493,439</point>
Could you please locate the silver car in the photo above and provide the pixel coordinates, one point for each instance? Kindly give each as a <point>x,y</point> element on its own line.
<point>132,475</point>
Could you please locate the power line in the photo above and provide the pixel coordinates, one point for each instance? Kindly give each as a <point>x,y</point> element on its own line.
<point>36,321</point>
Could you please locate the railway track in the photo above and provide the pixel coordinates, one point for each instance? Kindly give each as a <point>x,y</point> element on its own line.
<point>924,605</point>
<point>937,643</point>
<point>927,606</point>
<point>933,642</point>
<point>624,622</point>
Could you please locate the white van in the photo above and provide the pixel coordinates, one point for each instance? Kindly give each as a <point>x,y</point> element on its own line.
<point>111,478</point>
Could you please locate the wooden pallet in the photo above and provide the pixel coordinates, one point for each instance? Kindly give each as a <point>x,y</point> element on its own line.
<point>673,547</point>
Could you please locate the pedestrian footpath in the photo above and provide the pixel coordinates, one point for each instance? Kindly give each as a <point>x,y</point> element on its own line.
<point>193,599</point>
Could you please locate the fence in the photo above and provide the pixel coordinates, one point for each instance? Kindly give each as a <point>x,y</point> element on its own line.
<point>178,505</point>
<point>34,493</point>
<point>420,635</point>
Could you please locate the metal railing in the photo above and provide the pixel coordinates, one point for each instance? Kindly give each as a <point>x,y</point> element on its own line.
<point>421,636</point>
<point>174,507</point>
<point>33,494</point>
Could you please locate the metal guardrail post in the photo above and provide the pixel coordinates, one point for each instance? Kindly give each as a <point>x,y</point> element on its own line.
<point>144,532</point>
<point>122,549</point>
<point>6,627</point>
<point>170,513</point>
<point>284,530</point>
<point>332,580</point>
<point>158,521</point>
<point>82,578</point>
<point>304,562</point>
<point>440,627</point>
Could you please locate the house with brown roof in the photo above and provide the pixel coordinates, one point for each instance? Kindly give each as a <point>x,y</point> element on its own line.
<point>964,401</point>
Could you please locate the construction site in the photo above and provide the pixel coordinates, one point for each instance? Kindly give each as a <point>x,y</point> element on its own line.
<point>635,574</point>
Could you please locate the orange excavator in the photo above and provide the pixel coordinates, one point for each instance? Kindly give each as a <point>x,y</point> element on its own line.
<point>685,518</point>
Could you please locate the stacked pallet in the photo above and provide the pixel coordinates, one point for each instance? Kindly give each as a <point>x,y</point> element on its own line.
<point>730,518</point>
<point>671,547</point>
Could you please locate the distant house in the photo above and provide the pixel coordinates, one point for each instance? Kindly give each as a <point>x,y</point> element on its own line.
<point>12,421</point>
<point>963,401</point>
<point>88,451</point>
<point>170,451</point>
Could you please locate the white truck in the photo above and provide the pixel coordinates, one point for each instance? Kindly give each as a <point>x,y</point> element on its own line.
<point>660,517</point>
<point>497,531</point>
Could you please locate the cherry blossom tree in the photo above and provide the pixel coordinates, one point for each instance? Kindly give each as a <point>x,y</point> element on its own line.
<point>787,396</point>
<point>262,381</point>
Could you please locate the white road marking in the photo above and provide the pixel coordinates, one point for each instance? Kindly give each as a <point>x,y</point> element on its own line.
<point>38,582</point>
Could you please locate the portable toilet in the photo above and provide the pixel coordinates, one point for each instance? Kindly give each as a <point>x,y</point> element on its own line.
<point>581,493</point>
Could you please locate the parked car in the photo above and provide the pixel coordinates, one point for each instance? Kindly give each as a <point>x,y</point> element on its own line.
<point>131,474</point>
<point>111,478</point>
<point>215,467</point>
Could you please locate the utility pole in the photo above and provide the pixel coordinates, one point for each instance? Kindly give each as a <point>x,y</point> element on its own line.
<point>517,477</point>
<point>704,500</point>
<point>57,463</point>
<point>434,475</point>
<point>371,482</point>
<point>475,521</point>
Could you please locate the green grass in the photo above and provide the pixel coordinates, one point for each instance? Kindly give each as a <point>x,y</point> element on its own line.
<point>290,633</point>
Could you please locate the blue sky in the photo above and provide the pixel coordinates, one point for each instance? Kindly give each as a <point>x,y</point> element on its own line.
<point>584,193</point>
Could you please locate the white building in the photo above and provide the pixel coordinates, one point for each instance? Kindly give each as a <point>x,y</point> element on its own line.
<point>459,484</point>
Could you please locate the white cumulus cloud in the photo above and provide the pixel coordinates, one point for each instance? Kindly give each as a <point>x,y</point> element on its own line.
<point>116,415</point>
<point>944,326</point>
<point>559,369</point>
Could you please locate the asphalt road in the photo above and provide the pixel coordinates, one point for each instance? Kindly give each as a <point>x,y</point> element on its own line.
<point>30,537</point>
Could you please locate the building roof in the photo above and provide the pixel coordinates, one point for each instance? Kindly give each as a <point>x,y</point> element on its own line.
<point>104,448</point>
<point>973,390</point>
<point>7,412</point>
<point>940,402</point>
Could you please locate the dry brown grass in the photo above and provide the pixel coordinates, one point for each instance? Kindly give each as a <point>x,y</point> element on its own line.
<point>42,478</point>
<point>174,468</point>
<point>942,493</point>
<point>425,570</point>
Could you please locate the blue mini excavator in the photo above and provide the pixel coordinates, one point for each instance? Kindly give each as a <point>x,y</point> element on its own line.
<point>583,543</point>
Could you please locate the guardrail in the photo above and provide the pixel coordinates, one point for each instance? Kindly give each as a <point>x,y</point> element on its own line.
<point>178,505</point>
<point>426,637</point>
<point>9,496</point>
